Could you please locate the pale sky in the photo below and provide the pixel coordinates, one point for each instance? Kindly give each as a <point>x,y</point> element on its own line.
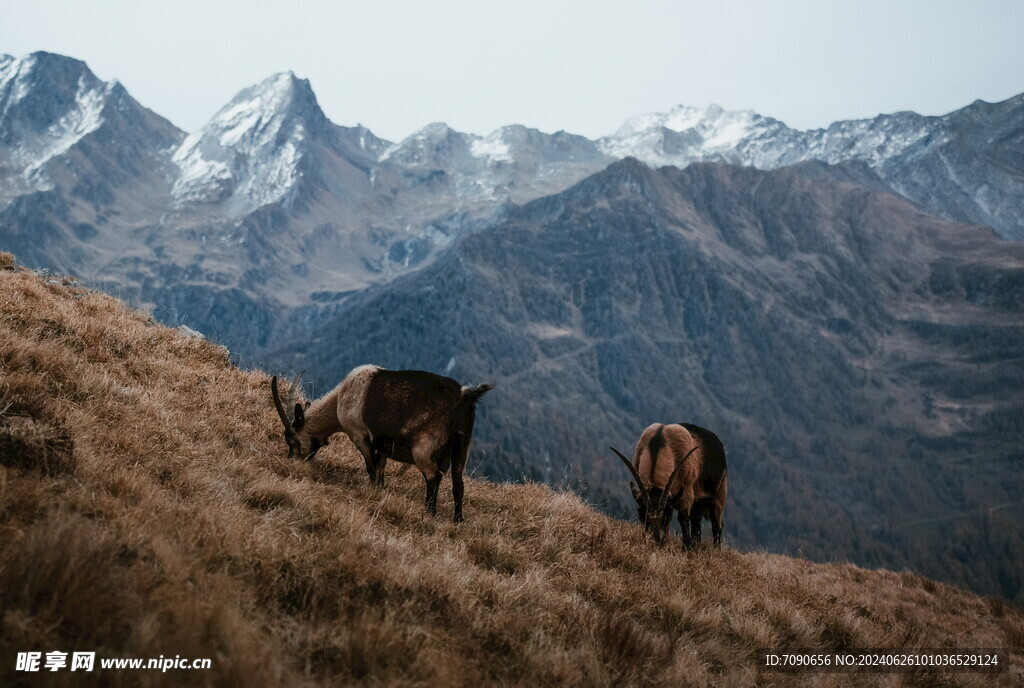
<point>584,67</point>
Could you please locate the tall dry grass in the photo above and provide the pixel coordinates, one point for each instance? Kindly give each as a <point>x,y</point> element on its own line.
<point>147,508</point>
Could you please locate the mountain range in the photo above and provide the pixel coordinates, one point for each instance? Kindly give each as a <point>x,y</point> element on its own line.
<point>270,198</point>
<point>842,305</point>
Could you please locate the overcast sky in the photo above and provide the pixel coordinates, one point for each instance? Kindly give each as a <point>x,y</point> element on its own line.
<point>580,66</point>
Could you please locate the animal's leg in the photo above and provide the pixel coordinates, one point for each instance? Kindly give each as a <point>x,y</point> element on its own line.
<point>371,455</point>
<point>458,489</point>
<point>433,484</point>
<point>371,466</point>
<point>684,526</point>
<point>696,516</point>
<point>459,455</point>
<point>422,455</point>
<point>686,507</point>
<point>717,523</point>
<point>718,513</point>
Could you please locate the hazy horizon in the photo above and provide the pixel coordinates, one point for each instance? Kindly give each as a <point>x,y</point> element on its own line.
<point>583,68</point>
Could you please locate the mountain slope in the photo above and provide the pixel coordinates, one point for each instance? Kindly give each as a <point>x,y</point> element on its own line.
<point>148,510</point>
<point>859,358</point>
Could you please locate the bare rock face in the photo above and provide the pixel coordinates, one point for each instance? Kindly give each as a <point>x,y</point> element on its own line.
<point>189,333</point>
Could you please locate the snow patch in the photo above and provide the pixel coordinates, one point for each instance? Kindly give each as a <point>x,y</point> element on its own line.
<point>492,148</point>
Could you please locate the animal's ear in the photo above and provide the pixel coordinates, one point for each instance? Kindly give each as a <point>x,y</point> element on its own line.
<point>299,419</point>
<point>637,495</point>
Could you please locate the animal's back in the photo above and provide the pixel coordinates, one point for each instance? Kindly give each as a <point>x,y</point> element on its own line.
<point>715,468</point>
<point>659,448</point>
<point>398,402</point>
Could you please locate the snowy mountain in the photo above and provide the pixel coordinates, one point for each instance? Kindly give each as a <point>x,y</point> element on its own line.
<point>250,154</point>
<point>685,135</point>
<point>50,104</point>
<point>83,166</point>
<point>39,123</point>
<point>513,163</point>
<point>962,166</point>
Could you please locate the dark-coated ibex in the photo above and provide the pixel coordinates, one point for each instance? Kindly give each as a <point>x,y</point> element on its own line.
<point>410,415</point>
<point>679,466</point>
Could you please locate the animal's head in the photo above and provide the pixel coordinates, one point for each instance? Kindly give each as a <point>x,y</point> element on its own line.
<point>655,518</point>
<point>653,506</point>
<point>293,415</point>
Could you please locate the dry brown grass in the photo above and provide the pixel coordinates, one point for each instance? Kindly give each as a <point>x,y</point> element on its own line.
<point>147,507</point>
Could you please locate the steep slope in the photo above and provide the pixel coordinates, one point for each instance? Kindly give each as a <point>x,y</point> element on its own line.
<point>147,509</point>
<point>860,359</point>
<point>966,166</point>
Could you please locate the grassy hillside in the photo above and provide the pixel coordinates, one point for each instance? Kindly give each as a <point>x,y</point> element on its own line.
<point>147,508</point>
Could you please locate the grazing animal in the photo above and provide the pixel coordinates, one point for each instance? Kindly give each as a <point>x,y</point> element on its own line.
<point>679,466</point>
<point>411,416</point>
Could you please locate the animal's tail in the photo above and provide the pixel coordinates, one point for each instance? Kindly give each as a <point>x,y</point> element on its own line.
<point>462,419</point>
<point>471,395</point>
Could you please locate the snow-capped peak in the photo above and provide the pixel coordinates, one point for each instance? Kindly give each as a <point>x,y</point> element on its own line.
<point>682,135</point>
<point>36,126</point>
<point>682,118</point>
<point>255,108</point>
<point>248,155</point>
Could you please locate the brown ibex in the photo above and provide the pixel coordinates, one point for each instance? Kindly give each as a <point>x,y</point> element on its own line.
<point>679,466</point>
<point>412,415</point>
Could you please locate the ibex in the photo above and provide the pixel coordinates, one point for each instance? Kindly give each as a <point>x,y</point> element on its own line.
<point>415,416</point>
<point>682,467</point>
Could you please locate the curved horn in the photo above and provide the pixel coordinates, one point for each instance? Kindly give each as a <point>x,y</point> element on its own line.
<point>277,404</point>
<point>668,486</point>
<point>636,476</point>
